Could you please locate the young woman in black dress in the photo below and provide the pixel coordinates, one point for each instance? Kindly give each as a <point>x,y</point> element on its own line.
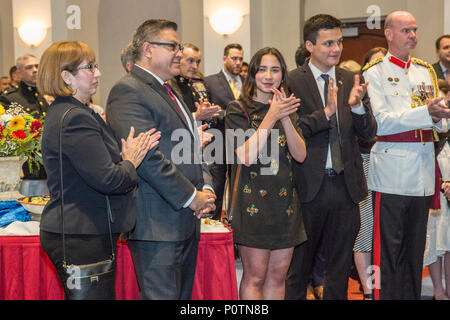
<point>267,221</point>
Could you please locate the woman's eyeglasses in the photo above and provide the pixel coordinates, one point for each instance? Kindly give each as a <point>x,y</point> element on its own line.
<point>91,67</point>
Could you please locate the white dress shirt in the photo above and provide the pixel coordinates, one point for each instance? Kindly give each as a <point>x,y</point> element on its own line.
<point>194,133</point>
<point>321,86</point>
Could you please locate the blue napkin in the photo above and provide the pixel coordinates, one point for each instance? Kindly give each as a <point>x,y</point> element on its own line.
<point>11,211</point>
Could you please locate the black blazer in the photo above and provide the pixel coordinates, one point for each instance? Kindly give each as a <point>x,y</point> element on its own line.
<point>92,167</point>
<point>139,100</point>
<point>439,73</point>
<point>221,93</point>
<point>315,127</point>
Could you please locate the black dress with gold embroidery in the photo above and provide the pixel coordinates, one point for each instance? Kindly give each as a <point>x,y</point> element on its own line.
<point>265,207</point>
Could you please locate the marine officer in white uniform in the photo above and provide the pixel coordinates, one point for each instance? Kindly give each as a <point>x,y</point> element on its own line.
<point>404,96</point>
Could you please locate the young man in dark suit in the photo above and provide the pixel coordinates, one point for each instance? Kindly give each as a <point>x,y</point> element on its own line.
<point>224,86</point>
<point>331,180</point>
<point>173,193</point>
<point>442,67</point>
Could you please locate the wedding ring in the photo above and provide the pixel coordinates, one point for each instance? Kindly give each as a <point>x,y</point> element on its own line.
<point>282,99</point>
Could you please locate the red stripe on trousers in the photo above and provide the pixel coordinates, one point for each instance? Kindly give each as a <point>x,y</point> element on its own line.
<point>377,242</point>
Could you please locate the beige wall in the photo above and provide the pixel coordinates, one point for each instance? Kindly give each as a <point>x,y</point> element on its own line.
<point>429,16</point>
<point>7,59</point>
<point>106,25</point>
<point>276,26</point>
<point>191,26</point>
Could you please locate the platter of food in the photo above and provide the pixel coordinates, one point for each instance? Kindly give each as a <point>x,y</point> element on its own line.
<point>34,204</point>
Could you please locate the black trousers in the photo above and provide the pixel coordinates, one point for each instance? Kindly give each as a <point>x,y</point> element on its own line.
<point>165,270</point>
<point>400,228</point>
<point>331,220</point>
<point>82,249</point>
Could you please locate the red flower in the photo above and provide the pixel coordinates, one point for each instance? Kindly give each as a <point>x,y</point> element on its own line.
<point>35,126</point>
<point>1,132</point>
<point>19,135</point>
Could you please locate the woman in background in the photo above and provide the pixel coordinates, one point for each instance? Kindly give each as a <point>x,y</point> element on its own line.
<point>437,250</point>
<point>362,250</point>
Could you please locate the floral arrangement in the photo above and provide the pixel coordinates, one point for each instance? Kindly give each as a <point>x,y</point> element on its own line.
<point>20,134</point>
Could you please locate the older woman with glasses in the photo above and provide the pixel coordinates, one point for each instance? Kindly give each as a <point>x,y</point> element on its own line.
<point>89,172</point>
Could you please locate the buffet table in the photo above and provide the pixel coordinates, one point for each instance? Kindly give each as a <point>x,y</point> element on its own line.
<point>26,272</point>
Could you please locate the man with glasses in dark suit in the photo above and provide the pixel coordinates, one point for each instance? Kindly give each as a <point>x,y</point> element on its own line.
<point>173,193</point>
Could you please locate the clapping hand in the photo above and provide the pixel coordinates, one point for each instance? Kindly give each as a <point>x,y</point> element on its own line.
<point>331,106</point>
<point>437,109</point>
<point>281,106</point>
<point>357,93</point>
<point>205,137</point>
<point>206,110</point>
<point>446,189</point>
<point>135,149</point>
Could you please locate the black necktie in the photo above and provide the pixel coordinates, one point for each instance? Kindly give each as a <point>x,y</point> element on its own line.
<point>336,157</point>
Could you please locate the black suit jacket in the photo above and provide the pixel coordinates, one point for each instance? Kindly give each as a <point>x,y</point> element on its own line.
<point>315,127</point>
<point>139,100</point>
<point>92,167</point>
<point>438,69</point>
<point>221,93</point>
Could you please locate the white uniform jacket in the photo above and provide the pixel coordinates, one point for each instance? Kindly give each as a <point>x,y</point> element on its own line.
<point>406,168</point>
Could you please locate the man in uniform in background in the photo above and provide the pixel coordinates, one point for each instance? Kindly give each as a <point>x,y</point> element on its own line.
<point>5,83</point>
<point>27,96</point>
<point>192,88</point>
<point>404,94</point>
<point>14,75</point>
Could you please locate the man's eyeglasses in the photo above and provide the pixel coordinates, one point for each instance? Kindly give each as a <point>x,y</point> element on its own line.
<point>91,67</point>
<point>175,47</point>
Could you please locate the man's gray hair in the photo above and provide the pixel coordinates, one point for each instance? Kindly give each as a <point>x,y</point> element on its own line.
<point>21,60</point>
<point>127,55</point>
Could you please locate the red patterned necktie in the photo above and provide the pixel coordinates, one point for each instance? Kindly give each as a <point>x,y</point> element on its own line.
<point>172,96</point>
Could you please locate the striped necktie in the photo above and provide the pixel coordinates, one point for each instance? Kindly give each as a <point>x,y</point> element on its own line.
<point>233,87</point>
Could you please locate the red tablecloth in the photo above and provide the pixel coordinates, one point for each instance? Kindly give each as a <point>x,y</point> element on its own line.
<point>26,272</point>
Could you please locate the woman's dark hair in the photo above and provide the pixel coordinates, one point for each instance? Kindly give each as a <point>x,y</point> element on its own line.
<point>249,86</point>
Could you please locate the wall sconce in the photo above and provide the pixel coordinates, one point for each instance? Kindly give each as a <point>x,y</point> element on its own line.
<point>226,21</point>
<point>32,33</point>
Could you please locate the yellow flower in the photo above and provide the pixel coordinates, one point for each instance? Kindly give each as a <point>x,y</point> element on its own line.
<point>17,123</point>
<point>2,110</point>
